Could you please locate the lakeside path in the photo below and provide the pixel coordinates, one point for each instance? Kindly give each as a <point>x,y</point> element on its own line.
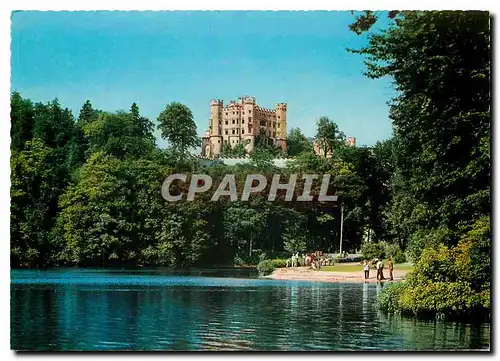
<point>308,274</point>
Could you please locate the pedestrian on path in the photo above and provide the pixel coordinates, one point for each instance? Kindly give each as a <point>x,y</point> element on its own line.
<point>366,267</point>
<point>380,270</point>
<point>391,268</point>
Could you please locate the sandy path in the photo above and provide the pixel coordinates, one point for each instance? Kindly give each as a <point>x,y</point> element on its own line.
<point>307,274</point>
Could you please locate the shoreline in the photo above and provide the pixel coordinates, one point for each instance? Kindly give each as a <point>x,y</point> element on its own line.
<point>308,274</point>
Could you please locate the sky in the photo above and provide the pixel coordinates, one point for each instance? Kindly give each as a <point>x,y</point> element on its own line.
<point>153,58</point>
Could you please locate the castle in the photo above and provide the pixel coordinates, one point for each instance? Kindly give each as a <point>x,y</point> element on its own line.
<point>241,122</point>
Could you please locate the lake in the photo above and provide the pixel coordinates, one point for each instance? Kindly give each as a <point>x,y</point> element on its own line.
<point>161,309</point>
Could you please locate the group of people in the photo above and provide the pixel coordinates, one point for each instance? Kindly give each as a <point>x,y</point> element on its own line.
<point>315,260</point>
<point>379,266</point>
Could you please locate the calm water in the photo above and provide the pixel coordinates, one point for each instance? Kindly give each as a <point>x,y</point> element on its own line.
<point>101,310</point>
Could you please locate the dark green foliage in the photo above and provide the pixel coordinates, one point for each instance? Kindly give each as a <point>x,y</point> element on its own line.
<point>87,192</point>
<point>238,151</point>
<point>441,152</point>
<point>265,267</point>
<point>370,251</point>
<point>178,127</point>
<point>22,120</point>
<point>297,142</point>
<point>279,263</point>
<point>399,257</point>
<point>328,136</point>
<point>388,299</point>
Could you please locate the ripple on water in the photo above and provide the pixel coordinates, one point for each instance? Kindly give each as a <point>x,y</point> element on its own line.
<point>143,310</point>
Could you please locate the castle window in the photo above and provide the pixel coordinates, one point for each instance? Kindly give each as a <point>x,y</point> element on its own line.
<point>249,119</point>
<point>243,113</point>
<point>233,113</point>
<point>226,113</point>
<point>226,122</point>
<point>249,112</point>
<point>233,121</point>
<point>278,117</point>
<point>278,125</point>
<point>233,131</point>
<point>242,121</point>
<point>226,131</point>
<point>218,141</point>
<point>242,131</point>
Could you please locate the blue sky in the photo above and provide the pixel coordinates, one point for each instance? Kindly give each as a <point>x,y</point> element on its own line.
<point>154,58</point>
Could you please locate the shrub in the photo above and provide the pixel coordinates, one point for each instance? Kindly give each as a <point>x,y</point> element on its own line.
<point>279,263</point>
<point>388,298</point>
<point>293,244</point>
<point>399,257</point>
<point>393,251</point>
<point>265,267</point>
<point>262,256</point>
<point>373,250</point>
<point>442,284</point>
<point>238,261</point>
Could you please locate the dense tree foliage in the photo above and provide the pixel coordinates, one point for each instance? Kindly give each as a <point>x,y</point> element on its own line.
<point>440,65</point>
<point>87,191</point>
<point>328,136</point>
<point>297,142</point>
<point>178,127</point>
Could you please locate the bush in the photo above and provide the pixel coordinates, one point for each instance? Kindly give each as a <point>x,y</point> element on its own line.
<point>388,298</point>
<point>262,256</point>
<point>393,251</point>
<point>441,284</point>
<point>370,251</point>
<point>238,261</point>
<point>399,257</point>
<point>265,267</point>
<point>279,263</point>
<point>449,298</point>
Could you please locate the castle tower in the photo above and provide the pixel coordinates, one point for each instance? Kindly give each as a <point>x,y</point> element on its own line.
<point>248,120</point>
<point>240,122</point>
<point>215,126</point>
<point>281,125</point>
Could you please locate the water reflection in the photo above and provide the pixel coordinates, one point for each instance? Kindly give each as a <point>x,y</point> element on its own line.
<point>128,310</point>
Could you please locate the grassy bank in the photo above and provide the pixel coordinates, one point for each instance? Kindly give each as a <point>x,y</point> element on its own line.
<point>353,267</point>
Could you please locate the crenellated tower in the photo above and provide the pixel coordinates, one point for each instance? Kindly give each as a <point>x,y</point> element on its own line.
<point>239,122</point>
<point>281,125</point>
<point>215,128</point>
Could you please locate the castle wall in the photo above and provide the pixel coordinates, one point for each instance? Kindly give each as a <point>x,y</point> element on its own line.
<point>241,121</point>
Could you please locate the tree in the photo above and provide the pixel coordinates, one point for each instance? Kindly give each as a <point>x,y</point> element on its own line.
<point>21,115</point>
<point>38,178</point>
<point>178,127</point>
<point>238,151</point>
<point>328,136</point>
<point>442,126</point>
<point>87,113</point>
<point>297,142</point>
<point>119,134</point>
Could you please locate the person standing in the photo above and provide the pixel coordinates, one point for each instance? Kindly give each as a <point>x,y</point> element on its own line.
<point>391,268</point>
<point>366,267</point>
<point>381,270</point>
